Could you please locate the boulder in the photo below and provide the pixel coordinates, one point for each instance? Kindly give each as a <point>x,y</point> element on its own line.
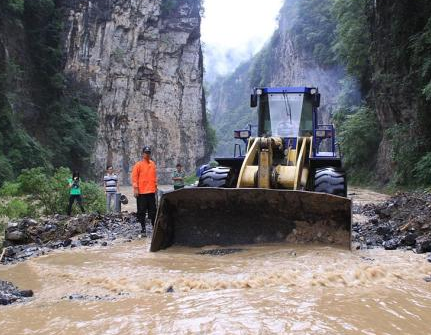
<point>10,293</point>
<point>383,230</point>
<point>95,236</point>
<point>15,236</point>
<point>391,244</point>
<point>423,244</point>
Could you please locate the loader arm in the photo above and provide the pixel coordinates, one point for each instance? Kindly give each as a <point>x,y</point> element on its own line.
<point>260,171</point>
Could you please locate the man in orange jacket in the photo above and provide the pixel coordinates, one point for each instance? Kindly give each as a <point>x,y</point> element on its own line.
<point>144,181</point>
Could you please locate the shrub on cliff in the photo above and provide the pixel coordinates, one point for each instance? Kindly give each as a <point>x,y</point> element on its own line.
<point>49,192</point>
<point>17,208</point>
<point>12,7</point>
<point>359,137</point>
<point>10,189</point>
<point>407,149</point>
<point>6,171</point>
<point>422,170</point>
<point>60,113</point>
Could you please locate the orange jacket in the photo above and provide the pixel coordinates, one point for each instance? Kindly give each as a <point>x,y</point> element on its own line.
<point>144,177</point>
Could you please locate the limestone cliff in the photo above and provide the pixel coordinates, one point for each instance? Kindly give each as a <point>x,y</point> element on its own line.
<point>291,66</point>
<point>143,58</point>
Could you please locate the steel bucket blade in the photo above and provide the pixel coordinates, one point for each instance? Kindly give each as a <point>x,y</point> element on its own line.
<point>197,217</point>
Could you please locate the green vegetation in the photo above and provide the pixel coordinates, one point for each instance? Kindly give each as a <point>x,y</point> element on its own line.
<point>261,65</point>
<point>314,30</point>
<point>46,119</point>
<point>167,6</point>
<point>359,136</point>
<point>422,170</point>
<point>390,59</point>
<point>351,42</point>
<point>238,114</point>
<point>14,7</point>
<point>386,93</point>
<point>190,180</point>
<point>211,137</point>
<point>17,208</point>
<point>37,191</point>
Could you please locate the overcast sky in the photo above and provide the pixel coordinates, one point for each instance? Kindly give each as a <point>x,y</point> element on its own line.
<point>234,30</point>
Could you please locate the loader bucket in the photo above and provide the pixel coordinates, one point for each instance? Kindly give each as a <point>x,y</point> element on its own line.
<point>196,217</point>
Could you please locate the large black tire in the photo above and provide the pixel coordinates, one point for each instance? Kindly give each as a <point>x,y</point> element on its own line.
<point>331,180</point>
<point>217,177</point>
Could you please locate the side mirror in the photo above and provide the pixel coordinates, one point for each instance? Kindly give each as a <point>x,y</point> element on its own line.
<point>253,100</point>
<point>316,100</point>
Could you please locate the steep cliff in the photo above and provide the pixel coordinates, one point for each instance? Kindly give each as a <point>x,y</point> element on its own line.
<point>88,83</point>
<point>282,62</point>
<point>371,61</point>
<point>399,57</point>
<point>144,59</point>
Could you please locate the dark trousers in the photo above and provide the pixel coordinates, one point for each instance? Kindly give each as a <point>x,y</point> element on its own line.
<point>72,199</point>
<point>146,202</point>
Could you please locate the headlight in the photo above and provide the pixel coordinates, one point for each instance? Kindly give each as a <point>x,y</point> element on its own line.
<point>320,133</point>
<point>259,91</point>
<point>242,134</point>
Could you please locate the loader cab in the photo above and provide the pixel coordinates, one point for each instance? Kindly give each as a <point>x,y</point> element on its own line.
<point>285,112</point>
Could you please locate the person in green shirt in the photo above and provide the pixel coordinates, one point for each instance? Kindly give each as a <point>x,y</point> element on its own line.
<point>178,177</point>
<point>75,192</point>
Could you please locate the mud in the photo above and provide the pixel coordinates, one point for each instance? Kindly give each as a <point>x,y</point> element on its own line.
<point>399,222</point>
<point>251,289</point>
<point>264,289</point>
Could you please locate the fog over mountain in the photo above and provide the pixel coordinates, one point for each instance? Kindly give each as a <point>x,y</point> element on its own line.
<point>234,31</point>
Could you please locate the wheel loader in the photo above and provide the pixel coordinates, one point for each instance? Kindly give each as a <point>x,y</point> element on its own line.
<point>288,185</point>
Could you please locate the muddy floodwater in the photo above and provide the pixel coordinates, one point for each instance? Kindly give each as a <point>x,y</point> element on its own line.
<point>273,289</point>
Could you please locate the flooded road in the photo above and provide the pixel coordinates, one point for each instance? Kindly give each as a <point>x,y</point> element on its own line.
<point>274,289</point>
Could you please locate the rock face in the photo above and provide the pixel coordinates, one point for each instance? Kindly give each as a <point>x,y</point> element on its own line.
<point>398,75</point>
<point>144,59</point>
<point>291,67</point>
<point>282,64</point>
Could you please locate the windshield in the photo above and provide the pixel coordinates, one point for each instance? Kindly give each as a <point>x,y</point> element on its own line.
<point>286,115</point>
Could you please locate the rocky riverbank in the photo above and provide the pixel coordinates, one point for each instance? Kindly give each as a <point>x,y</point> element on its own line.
<point>403,221</point>
<point>27,238</point>
<point>10,293</point>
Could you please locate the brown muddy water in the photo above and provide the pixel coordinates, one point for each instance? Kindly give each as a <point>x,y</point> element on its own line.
<point>273,289</point>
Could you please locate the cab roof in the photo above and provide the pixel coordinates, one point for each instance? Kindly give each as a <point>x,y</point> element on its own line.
<point>300,89</point>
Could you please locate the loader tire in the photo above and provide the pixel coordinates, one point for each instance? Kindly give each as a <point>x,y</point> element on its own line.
<point>217,177</point>
<point>330,180</point>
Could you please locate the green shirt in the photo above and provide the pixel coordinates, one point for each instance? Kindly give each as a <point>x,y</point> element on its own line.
<point>177,174</point>
<point>75,189</point>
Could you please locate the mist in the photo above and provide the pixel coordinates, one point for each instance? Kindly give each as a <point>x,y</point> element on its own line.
<point>234,31</point>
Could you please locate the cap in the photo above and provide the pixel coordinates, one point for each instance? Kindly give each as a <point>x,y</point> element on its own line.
<point>146,150</point>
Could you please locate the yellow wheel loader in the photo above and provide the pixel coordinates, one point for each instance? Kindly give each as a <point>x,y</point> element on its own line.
<point>288,186</point>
